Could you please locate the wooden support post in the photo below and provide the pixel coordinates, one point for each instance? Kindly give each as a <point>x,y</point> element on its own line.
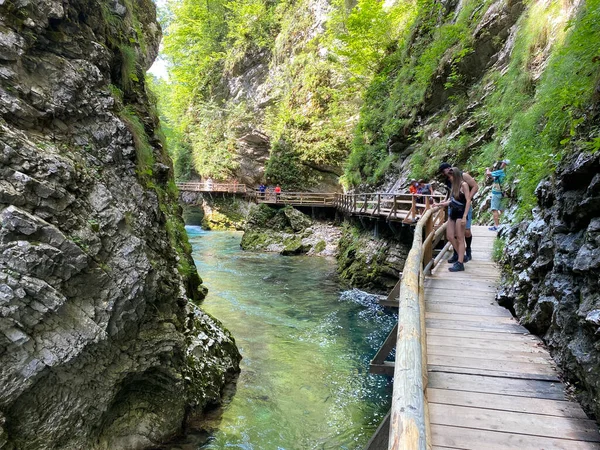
<point>408,422</point>
<point>428,249</point>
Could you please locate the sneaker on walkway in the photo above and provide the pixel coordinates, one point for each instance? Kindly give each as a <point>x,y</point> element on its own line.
<point>453,258</point>
<point>467,258</point>
<point>457,267</point>
<point>494,228</point>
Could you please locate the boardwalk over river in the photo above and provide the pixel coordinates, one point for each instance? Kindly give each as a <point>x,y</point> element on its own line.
<point>468,376</point>
<point>396,207</point>
<point>488,384</point>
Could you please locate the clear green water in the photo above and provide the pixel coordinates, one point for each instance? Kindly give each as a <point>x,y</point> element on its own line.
<point>306,345</point>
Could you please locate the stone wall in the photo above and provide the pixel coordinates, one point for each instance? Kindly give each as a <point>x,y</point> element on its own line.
<point>551,269</point>
<point>100,346</point>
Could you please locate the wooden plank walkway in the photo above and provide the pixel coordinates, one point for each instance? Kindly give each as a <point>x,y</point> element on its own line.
<point>492,385</point>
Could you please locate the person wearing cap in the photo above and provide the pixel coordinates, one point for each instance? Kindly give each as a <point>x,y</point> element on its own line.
<point>497,177</point>
<point>446,170</point>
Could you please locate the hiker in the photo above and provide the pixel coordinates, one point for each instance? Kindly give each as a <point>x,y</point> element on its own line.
<point>423,189</point>
<point>261,190</point>
<point>209,184</point>
<point>497,177</point>
<point>459,203</point>
<point>277,193</point>
<point>413,186</point>
<point>446,169</point>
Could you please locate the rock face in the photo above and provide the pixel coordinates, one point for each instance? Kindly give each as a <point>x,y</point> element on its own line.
<point>551,267</point>
<point>370,262</point>
<point>289,232</point>
<point>99,344</point>
<point>215,211</point>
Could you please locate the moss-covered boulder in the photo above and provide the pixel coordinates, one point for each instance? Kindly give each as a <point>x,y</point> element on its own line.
<point>368,262</point>
<point>289,232</point>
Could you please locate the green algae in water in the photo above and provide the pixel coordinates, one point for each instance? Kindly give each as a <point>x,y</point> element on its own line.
<point>306,348</point>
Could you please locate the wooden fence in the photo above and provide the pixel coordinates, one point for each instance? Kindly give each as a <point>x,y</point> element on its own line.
<point>392,207</point>
<point>405,207</point>
<point>297,198</point>
<point>409,417</point>
<point>232,188</point>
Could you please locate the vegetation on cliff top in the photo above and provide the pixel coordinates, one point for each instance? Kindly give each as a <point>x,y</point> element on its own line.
<point>347,96</point>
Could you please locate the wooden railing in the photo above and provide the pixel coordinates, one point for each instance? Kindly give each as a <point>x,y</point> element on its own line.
<point>392,207</point>
<point>409,416</point>
<point>406,207</point>
<point>297,198</point>
<point>233,188</point>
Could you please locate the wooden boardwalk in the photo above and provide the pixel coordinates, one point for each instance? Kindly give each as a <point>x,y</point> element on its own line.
<point>391,207</point>
<point>491,384</point>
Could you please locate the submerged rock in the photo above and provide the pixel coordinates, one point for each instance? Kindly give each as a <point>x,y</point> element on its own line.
<point>99,344</point>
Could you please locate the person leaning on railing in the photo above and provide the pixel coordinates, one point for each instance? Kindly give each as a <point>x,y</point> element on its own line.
<point>458,205</point>
<point>446,170</point>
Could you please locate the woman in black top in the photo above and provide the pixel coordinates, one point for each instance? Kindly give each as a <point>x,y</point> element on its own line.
<point>460,202</point>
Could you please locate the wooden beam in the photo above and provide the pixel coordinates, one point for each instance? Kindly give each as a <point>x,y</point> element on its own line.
<point>386,347</point>
<point>408,414</point>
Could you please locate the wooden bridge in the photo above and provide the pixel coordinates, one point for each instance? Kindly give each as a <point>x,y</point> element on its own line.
<point>467,375</point>
<point>397,207</point>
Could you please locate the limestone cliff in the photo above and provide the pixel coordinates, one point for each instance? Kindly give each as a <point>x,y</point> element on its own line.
<point>551,266</point>
<point>100,346</point>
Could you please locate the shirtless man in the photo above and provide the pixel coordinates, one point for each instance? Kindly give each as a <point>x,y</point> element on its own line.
<point>446,169</point>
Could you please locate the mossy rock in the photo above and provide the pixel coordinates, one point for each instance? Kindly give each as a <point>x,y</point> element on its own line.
<point>294,246</point>
<point>261,215</point>
<point>320,246</point>
<point>297,221</point>
<point>217,221</point>
<point>255,240</point>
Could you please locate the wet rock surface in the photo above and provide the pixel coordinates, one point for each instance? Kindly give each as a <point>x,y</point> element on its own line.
<point>550,274</point>
<point>289,232</point>
<point>100,346</point>
<point>370,260</point>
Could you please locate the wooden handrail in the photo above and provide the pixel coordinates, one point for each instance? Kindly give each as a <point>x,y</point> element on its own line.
<point>409,421</point>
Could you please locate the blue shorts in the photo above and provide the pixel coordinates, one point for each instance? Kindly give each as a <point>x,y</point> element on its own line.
<point>469,218</point>
<point>496,202</point>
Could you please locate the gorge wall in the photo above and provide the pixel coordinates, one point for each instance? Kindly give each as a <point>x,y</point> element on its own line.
<point>550,272</point>
<point>100,343</point>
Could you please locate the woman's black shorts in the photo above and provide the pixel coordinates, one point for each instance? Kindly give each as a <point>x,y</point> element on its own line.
<point>457,213</point>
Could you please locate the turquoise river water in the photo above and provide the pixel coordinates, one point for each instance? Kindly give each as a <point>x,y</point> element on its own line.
<point>306,343</point>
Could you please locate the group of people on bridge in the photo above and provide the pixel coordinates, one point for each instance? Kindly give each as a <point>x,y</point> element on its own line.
<point>462,188</point>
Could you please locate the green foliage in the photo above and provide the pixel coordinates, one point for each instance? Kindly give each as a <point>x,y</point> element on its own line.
<point>400,87</point>
<point>212,135</point>
<point>541,120</point>
<point>498,249</point>
<point>144,151</point>
<point>128,66</point>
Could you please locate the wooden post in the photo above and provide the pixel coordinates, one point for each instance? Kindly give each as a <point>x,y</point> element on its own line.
<point>428,249</point>
<point>378,208</point>
<point>408,422</point>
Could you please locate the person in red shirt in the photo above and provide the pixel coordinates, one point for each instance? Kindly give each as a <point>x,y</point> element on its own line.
<point>277,193</point>
<point>412,188</point>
